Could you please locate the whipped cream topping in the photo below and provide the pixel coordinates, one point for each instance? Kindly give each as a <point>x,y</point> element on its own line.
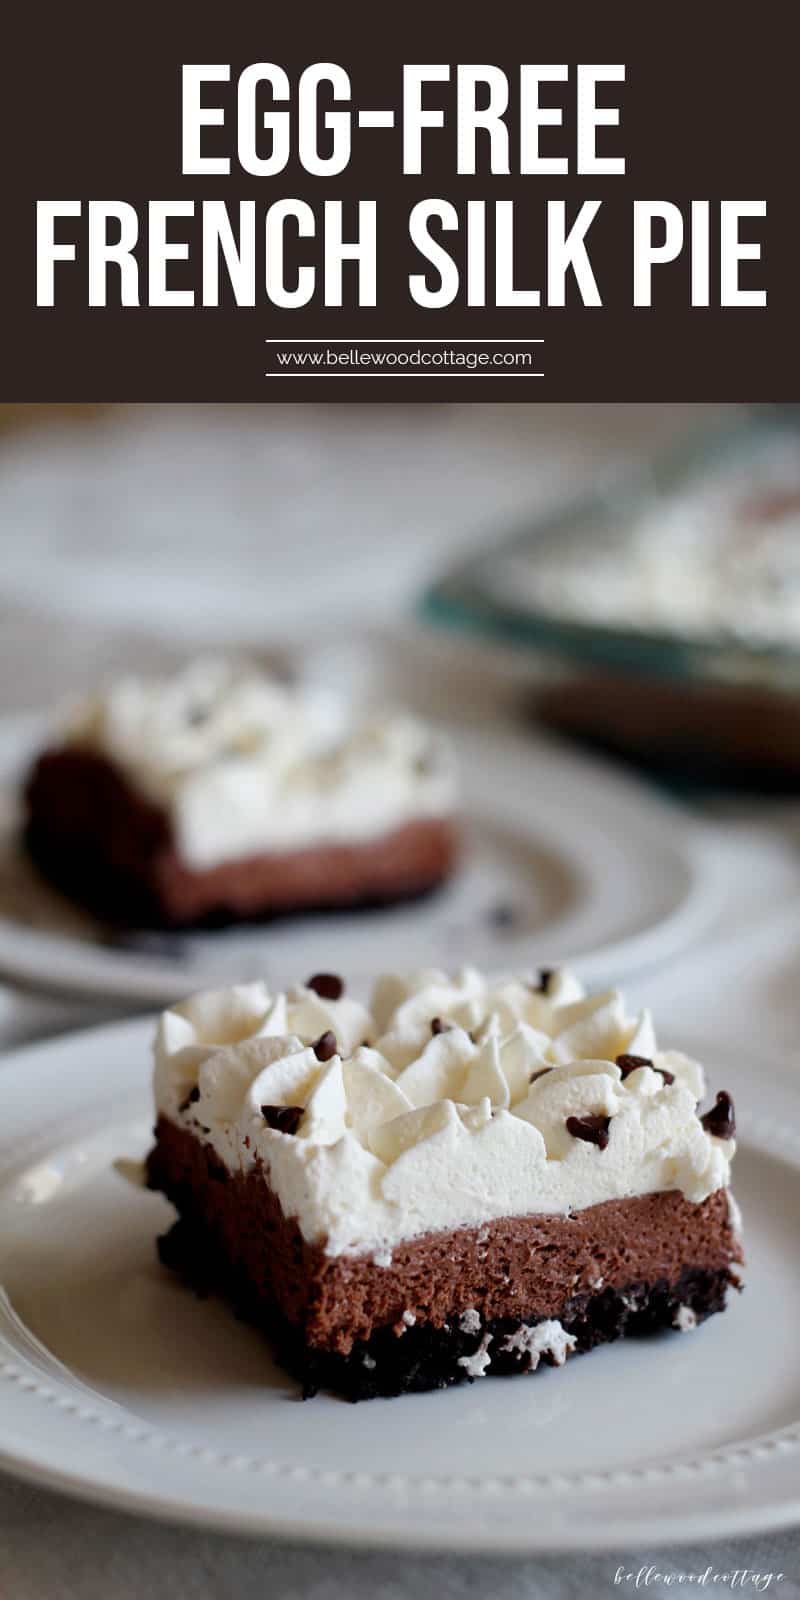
<point>244,764</point>
<point>410,1128</point>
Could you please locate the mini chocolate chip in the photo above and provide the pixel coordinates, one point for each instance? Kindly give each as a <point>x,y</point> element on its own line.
<point>325,1046</point>
<point>438,1026</point>
<point>721,1120</point>
<point>593,1129</point>
<point>326,985</point>
<point>191,1099</point>
<point>546,974</point>
<point>286,1119</point>
<point>628,1063</point>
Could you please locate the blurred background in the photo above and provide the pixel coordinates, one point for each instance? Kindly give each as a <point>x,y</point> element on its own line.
<point>660,620</point>
<point>247,526</point>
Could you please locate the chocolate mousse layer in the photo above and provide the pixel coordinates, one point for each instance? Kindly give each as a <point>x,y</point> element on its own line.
<point>103,844</point>
<point>368,1327</point>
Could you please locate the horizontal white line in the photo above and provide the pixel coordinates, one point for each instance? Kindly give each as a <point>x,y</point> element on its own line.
<point>469,372</point>
<point>364,339</point>
<point>376,119</point>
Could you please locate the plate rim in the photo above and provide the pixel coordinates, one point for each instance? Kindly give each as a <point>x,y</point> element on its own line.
<point>715,1525</point>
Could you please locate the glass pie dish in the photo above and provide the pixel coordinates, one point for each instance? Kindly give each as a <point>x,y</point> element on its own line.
<point>674,598</point>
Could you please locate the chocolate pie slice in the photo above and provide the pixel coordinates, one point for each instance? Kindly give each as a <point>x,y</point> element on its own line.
<point>221,795</point>
<point>469,1178</point>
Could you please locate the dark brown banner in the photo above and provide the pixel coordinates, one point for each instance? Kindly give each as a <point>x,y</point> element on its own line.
<point>573,202</point>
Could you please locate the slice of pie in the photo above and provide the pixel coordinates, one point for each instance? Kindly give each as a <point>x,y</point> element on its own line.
<point>466,1179</point>
<point>221,794</point>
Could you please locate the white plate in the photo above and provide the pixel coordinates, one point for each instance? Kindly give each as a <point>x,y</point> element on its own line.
<point>591,865</point>
<point>118,1385</point>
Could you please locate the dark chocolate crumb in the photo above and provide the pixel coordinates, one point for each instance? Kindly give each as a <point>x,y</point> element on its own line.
<point>721,1119</point>
<point>669,1077</point>
<point>546,974</point>
<point>327,985</point>
<point>286,1119</point>
<point>593,1129</point>
<point>438,1026</point>
<point>191,1099</point>
<point>325,1046</point>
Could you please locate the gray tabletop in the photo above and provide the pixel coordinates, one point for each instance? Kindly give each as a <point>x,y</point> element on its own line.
<point>51,1547</point>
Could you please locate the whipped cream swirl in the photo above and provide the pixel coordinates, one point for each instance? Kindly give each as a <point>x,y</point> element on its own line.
<point>409,1128</point>
<point>245,765</point>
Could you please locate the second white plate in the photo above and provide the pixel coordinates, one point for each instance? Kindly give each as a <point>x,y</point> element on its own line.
<point>565,858</point>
